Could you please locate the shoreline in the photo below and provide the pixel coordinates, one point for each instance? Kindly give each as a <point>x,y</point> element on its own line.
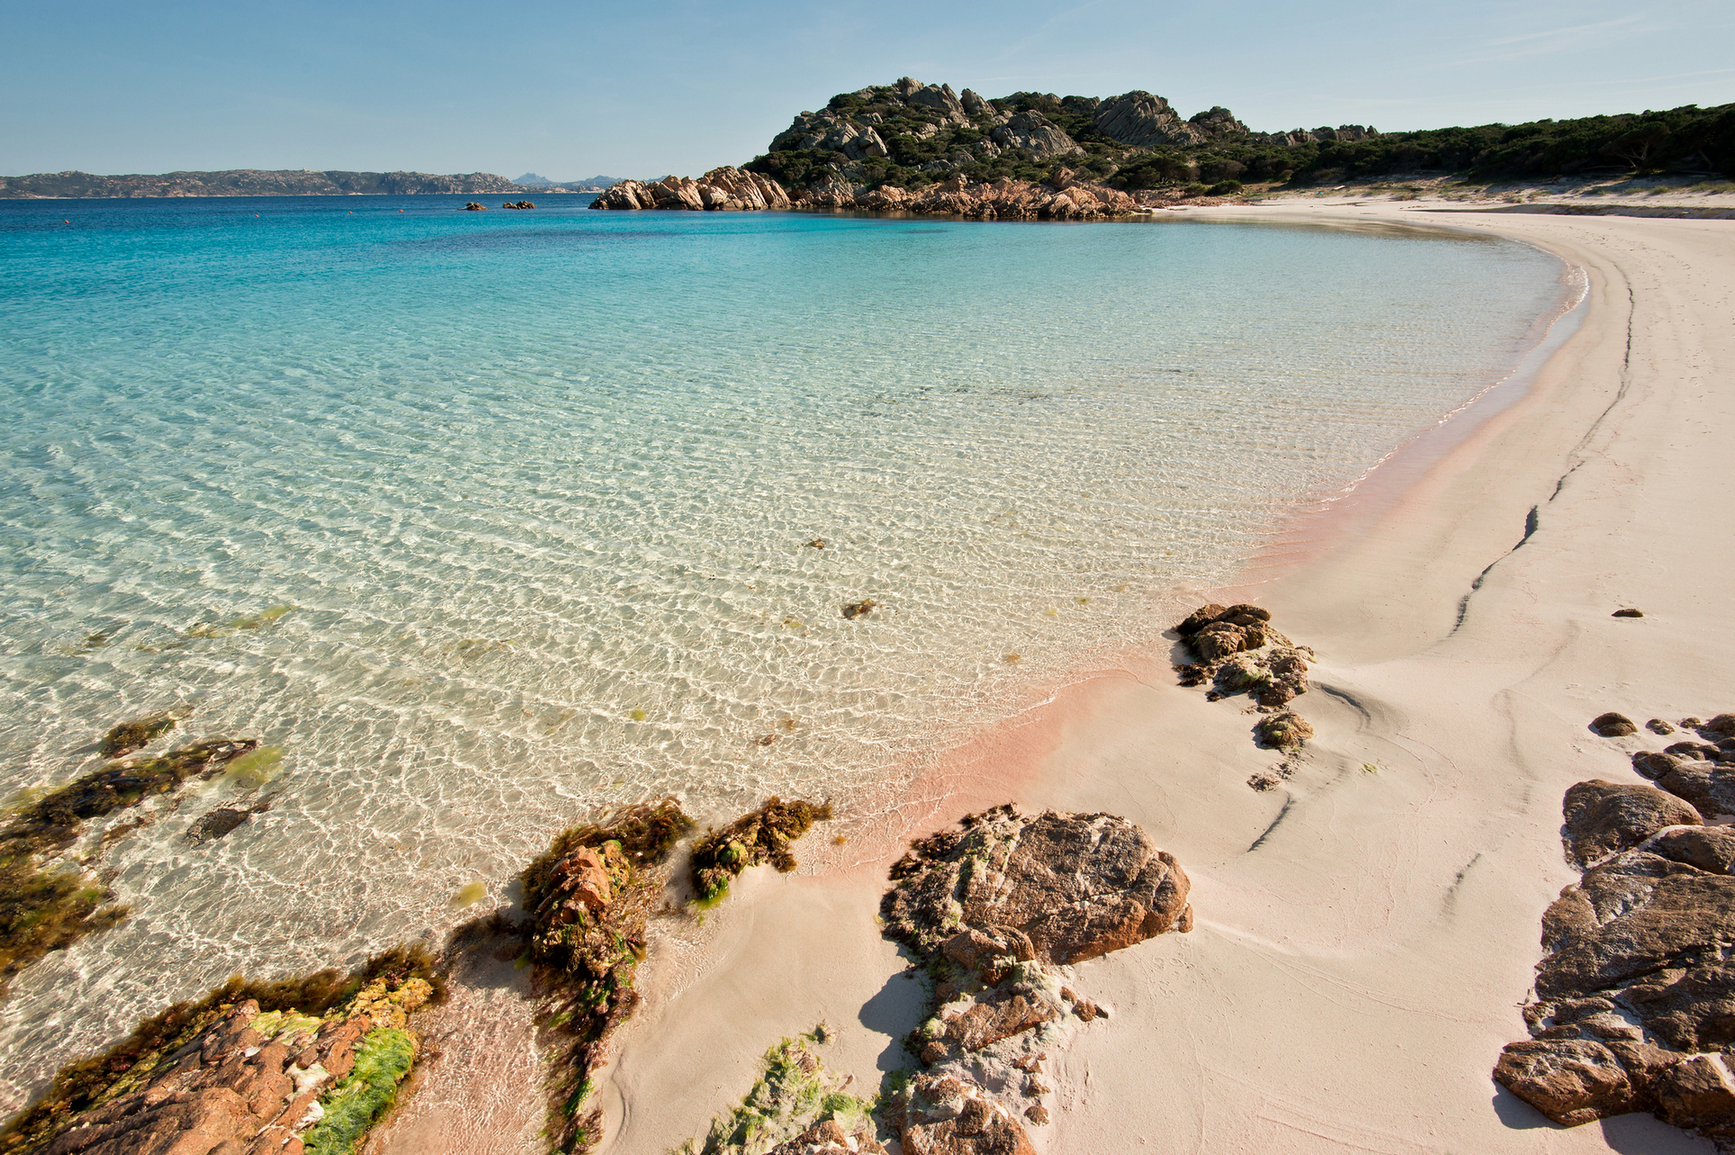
<point>1382,911</point>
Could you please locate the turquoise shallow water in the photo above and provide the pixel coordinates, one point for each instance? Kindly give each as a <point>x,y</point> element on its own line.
<point>536,488</point>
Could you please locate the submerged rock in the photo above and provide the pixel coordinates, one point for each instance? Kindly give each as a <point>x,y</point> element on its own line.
<point>860,609</point>
<point>221,821</point>
<point>135,733</point>
<point>46,907</point>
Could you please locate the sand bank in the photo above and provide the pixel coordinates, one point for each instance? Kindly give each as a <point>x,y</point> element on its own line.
<point>1367,930</point>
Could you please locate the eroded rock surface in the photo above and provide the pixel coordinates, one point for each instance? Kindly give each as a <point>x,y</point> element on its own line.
<point>1238,650</point>
<point>997,908</point>
<point>1605,817</point>
<point>223,1077</point>
<point>727,189</point>
<point>1075,885</point>
<point>1636,995</point>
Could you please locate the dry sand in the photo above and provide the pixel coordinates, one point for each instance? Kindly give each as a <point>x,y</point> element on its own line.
<point>1367,930</point>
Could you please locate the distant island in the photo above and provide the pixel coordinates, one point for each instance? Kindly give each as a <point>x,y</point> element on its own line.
<point>250,182</point>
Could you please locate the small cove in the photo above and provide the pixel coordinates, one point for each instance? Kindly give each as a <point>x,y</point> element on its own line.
<point>537,492</point>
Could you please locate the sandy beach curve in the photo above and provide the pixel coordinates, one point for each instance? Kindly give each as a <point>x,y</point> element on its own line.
<point>1367,930</point>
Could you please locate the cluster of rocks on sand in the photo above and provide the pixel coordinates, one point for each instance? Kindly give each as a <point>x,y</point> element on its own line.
<point>1238,651</point>
<point>1635,998</point>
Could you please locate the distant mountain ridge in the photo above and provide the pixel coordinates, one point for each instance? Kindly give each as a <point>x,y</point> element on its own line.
<point>583,184</point>
<point>254,182</point>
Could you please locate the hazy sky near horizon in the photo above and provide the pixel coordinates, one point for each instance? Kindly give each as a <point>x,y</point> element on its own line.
<point>575,89</point>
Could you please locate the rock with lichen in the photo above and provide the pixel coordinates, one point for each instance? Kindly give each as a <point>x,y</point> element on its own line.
<point>997,908</point>
<point>305,1064</point>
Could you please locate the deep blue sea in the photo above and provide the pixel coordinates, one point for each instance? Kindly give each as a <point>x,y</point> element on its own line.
<point>482,521</point>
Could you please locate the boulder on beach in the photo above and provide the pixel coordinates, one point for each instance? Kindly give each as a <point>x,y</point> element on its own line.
<point>994,909</point>
<point>1612,725</point>
<point>1603,818</point>
<point>1635,1001</point>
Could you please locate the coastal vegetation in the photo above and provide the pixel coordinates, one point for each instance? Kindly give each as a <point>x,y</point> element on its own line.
<point>794,1102</point>
<point>751,840</point>
<point>591,896</point>
<point>909,135</point>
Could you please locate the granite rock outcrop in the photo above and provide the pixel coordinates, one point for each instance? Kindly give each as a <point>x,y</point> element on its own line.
<point>997,909</point>
<point>726,189</point>
<point>1635,997</point>
<point>224,1075</point>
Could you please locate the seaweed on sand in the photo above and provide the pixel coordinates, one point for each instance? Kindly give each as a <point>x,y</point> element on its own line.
<point>790,1104</point>
<point>45,907</point>
<point>592,895</point>
<point>761,836</point>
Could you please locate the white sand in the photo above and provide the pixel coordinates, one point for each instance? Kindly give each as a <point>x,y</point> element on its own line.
<point>1357,966</point>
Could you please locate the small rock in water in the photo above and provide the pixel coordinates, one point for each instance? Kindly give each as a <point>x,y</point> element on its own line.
<point>1628,613</point>
<point>817,543</point>
<point>135,733</point>
<point>1612,725</point>
<point>860,609</point>
<point>222,820</point>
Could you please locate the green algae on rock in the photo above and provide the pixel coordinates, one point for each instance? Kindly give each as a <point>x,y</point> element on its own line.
<point>591,897</point>
<point>265,1059</point>
<point>135,733</point>
<point>349,1110</point>
<point>794,1106</point>
<point>761,836</point>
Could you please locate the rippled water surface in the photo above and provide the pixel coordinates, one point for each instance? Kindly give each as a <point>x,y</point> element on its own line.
<point>489,519</point>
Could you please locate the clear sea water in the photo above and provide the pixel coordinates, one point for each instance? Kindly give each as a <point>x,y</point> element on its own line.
<point>488,520</point>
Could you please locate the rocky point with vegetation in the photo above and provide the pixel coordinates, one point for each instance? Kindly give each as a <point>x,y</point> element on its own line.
<point>923,148</point>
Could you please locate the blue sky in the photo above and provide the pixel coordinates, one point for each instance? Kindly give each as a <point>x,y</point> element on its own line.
<point>572,89</point>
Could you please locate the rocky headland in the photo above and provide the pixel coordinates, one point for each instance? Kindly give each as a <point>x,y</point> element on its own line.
<point>924,148</point>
